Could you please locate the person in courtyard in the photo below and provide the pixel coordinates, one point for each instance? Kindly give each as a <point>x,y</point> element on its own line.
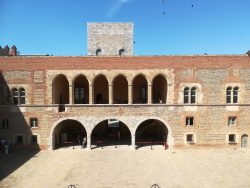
<point>84,142</point>
<point>6,148</point>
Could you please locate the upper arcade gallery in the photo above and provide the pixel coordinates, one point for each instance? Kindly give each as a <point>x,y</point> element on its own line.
<point>118,90</point>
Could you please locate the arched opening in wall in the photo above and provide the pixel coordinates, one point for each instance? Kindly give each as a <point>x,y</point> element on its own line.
<point>60,90</point>
<point>120,90</point>
<point>121,52</point>
<point>140,90</point>
<point>159,89</point>
<point>81,90</point>
<point>110,132</point>
<point>244,141</point>
<point>151,132</point>
<point>98,52</point>
<point>101,93</point>
<point>68,133</point>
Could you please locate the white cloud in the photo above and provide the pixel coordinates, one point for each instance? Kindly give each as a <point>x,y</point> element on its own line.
<point>116,7</point>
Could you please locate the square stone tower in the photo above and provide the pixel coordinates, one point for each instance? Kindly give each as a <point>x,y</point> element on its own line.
<point>110,39</point>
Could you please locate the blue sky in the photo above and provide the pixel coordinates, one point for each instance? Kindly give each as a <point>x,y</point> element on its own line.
<point>175,27</point>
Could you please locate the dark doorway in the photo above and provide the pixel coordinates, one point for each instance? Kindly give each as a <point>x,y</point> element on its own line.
<point>244,141</point>
<point>110,132</point>
<point>151,132</point>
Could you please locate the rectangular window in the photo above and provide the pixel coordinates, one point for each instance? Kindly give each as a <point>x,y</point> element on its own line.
<point>33,122</point>
<point>5,123</point>
<point>232,138</point>
<point>232,121</point>
<point>189,121</point>
<point>190,138</point>
<point>186,99</point>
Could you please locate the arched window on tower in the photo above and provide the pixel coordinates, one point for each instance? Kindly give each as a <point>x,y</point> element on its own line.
<point>98,52</point>
<point>121,52</point>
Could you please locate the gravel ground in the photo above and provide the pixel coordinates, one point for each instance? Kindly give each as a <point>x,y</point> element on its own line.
<point>126,168</point>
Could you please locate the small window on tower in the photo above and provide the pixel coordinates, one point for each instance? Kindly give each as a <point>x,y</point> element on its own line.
<point>121,52</point>
<point>98,52</point>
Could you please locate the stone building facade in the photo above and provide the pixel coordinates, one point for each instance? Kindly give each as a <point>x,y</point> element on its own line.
<point>110,39</point>
<point>180,102</point>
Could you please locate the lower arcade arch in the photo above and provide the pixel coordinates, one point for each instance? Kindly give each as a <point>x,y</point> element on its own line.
<point>151,132</point>
<point>110,132</point>
<point>68,133</point>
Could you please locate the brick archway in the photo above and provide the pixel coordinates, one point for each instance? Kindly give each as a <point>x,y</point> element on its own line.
<point>73,133</point>
<point>110,132</point>
<point>168,140</point>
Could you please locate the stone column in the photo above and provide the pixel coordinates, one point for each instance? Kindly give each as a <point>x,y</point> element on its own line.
<point>88,143</point>
<point>70,94</point>
<point>149,94</point>
<point>91,101</point>
<point>110,94</point>
<point>130,94</point>
<point>133,141</point>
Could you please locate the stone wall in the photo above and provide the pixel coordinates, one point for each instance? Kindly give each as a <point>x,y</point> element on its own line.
<point>210,113</point>
<point>110,38</point>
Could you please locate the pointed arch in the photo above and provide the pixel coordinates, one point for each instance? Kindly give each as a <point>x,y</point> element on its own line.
<point>152,131</point>
<point>111,132</point>
<point>140,89</point>
<point>60,90</point>
<point>120,89</point>
<point>159,89</point>
<point>101,90</point>
<point>80,90</point>
<point>67,132</point>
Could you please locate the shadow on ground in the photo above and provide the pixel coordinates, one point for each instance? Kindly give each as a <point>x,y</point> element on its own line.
<point>16,130</point>
<point>12,161</point>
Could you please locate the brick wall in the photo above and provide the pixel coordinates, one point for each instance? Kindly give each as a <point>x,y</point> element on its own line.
<point>210,74</point>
